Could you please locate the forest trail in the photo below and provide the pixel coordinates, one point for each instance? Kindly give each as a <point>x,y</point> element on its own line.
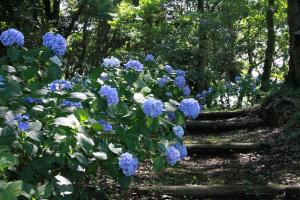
<point>232,155</point>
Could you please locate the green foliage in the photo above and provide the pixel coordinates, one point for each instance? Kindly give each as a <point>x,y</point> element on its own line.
<point>63,146</point>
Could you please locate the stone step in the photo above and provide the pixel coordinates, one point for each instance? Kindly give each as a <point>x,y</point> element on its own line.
<point>201,127</point>
<point>215,115</point>
<point>225,148</point>
<point>230,191</point>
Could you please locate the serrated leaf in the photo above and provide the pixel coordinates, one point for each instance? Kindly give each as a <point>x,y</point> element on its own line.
<point>85,142</point>
<point>78,95</point>
<point>114,149</point>
<point>65,186</point>
<point>169,107</point>
<point>70,121</point>
<point>100,155</point>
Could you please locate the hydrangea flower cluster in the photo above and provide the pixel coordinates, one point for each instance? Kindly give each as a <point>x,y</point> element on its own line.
<point>169,69</point>
<point>23,122</point>
<point>178,131</point>
<point>149,57</point>
<point>68,103</point>
<point>33,100</point>
<point>180,82</point>
<point>173,155</point>
<point>56,42</point>
<point>182,150</point>
<point>110,93</point>
<point>162,81</point>
<point>186,91</point>
<point>152,107</point>
<point>111,62</point>
<point>180,72</point>
<point>128,164</point>
<point>59,85</point>
<point>134,64</point>
<point>190,108</point>
<point>204,93</point>
<point>106,126</point>
<point>237,79</point>
<point>11,37</point>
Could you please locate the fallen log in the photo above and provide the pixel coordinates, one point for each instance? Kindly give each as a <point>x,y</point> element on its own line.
<point>222,191</point>
<point>195,127</point>
<point>224,148</point>
<point>215,115</point>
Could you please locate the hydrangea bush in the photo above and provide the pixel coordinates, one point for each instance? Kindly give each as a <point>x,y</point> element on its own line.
<point>55,134</point>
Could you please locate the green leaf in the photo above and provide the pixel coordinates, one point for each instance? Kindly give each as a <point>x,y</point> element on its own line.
<point>81,158</point>
<point>13,53</point>
<point>10,190</point>
<point>64,186</point>
<point>78,95</point>
<point>86,143</point>
<point>159,163</point>
<point>81,114</point>
<point>70,121</point>
<point>44,191</point>
<point>54,72</point>
<point>7,160</point>
<point>114,149</point>
<point>100,155</point>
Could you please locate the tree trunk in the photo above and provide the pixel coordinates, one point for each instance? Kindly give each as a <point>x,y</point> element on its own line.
<point>293,77</point>
<point>265,81</point>
<point>85,36</point>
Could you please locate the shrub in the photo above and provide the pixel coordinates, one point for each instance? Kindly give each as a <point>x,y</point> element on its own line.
<point>56,133</point>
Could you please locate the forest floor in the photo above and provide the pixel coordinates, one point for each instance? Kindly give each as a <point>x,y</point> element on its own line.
<point>277,164</point>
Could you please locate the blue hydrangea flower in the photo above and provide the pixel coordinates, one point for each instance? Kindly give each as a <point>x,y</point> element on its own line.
<point>169,94</point>
<point>111,62</point>
<point>22,120</point>
<point>68,103</point>
<point>186,91</point>
<point>190,108</point>
<point>134,64</point>
<point>180,72</point>
<point>11,37</point>
<point>23,126</point>
<point>182,150</point>
<point>149,57</point>
<point>204,93</point>
<point>152,107</point>
<point>171,116</point>
<point>210,90</point>
<point>59,85</point>
<point>110,93</point>
<point>162,81</point>
<point>253,87</point>
<point>128,164</point>
<point>106,126</point>
<point>178,131</point>
<point>56,42</point>
<point>33,100</point>
<point>180,82</point>
<point>169,69</point>
<point>173,155</point>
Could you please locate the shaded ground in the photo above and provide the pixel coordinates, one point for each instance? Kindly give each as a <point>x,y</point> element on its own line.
<point>279,164</point>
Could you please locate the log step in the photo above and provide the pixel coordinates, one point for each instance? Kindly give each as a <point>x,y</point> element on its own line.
<point>225,148</point>
<point>195,127</point>
<point>222,191</point>
<point>224,114</point>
